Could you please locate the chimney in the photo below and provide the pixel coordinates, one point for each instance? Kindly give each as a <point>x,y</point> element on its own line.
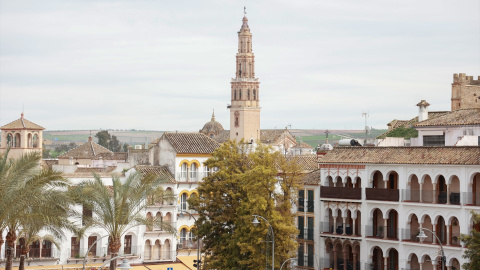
<point>423,110</point>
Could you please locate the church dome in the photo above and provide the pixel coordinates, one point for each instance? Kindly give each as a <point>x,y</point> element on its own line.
<point>212,128</point>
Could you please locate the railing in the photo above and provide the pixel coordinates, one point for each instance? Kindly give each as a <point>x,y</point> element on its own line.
<point>188,244</point>
<point>129,250</point>
<point>375,231</point>
<point>36,252</point>
<point>455,239</point>
<point>156,229</point>
<point>327,227</point>
<point>381,194</point>
<point>471,198</point>
<point>156,255</point>
<point>456,198</point>
<point>410,234</point>
<point>341,193</point>
<point>191,176</point>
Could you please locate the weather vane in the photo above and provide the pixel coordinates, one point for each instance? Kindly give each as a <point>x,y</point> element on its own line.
<point>244,10</point>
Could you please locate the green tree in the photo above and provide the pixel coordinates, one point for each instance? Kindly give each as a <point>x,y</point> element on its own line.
<point>26,195</point>
<point>472,243</point>
<point>245,185</point>
<point>108,141</point>
<point>125,147</point>
<point>118,208</point>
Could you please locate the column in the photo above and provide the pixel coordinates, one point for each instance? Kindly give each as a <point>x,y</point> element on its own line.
<point>354,231</point>
<point>448,193</point>
<point>420,225</point>
<point>344,226</point>
<point>448,235</point>
<point>385,184</point>
<point>449,268</point>
<point>385,228</point>
<point>40,249</point>
<point>434,194</point>
<point>334,225</point>
<point>435,233</point>
<point>355,261</point>
<point>385,263</point>
<point>151,251</point>
<point>421,265</point>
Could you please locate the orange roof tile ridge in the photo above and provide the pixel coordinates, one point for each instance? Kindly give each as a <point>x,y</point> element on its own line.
<point>93,149</point>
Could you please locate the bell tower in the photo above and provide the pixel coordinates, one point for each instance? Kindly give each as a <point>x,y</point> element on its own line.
<point>245,95</point>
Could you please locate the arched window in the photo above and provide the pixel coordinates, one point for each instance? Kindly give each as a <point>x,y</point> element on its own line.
<point>35,141</point>
<point>9,140</point>
<point>183,172</point>
<point>248,94</point>
<point>183,237</point>
<point>240,94</point>
<point>254,94</point>
<point>29,140</point>
<point>235,95</point>
<point>193,172</point>
<point>191,237</point>
<point>183,201</point>
<point>208,172</point>
<point>16,141</point>
<point>46,249</point>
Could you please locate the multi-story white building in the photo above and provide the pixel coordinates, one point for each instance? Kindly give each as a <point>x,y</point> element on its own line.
<point>374,200</point>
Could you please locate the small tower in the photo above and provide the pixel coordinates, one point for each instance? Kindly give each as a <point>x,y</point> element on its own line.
<point>423,110</point>
<point>22,136</point>
<point>245,101</point>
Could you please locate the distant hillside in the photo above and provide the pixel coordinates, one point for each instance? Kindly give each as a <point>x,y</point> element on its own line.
<point>318,136</point>
<point>132,137</point>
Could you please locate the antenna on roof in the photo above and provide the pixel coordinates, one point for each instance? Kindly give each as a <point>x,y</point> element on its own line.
<point>365,114</point>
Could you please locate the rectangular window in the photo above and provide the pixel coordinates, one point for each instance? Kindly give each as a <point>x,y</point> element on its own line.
<point>434,140</point>
<point>127,245</point>
<point>300,255</point>
<point>310,201</point>
<point>301,200</point>
<point>93,249</point>
<point>74,248</point>
<point>310,256</point>
<point>310,227</point>
<point>301,226</point>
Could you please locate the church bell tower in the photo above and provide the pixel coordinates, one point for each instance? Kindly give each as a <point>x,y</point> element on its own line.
<point>245,95</point>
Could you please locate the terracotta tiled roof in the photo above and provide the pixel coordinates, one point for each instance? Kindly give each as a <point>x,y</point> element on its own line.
<point>160,171</point>
<point>22,123</point>
<point>197,143</point>
<point>455,155</point>
<point>455,118</point>
<point>89,171</point>
<point>307,162</point>
<point>394,124</point>
<point>92,150</point>
<point>303,145</point>
<point>311,178</point>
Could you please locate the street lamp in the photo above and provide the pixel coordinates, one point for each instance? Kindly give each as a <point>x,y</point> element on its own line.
<point>197,262</point>
<point>255,222</point>
<point>291,259</point>
<point>125,265</point>
<point>422,237</point>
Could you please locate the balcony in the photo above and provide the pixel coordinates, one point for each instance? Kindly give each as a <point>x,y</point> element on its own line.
<point>380,194</point>
<point>341,193</point>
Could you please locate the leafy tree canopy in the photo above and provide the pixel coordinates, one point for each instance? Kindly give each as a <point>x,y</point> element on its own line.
<point>472,243</point>
<point>246,183</point>
<point>108,141</point>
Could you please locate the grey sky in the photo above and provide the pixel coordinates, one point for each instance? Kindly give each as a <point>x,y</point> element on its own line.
<point>164,65</point>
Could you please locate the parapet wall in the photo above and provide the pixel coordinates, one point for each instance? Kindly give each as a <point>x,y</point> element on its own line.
<point>465,92</point>
<point>462,78</point>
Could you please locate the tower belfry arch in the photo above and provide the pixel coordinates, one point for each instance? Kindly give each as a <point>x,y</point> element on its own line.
<point>245,93</point>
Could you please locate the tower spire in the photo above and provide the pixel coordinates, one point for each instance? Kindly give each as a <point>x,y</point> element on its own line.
<point>245,101</point>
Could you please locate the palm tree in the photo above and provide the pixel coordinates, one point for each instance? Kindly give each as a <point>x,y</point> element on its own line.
<point>50,216</point>
<point>25,186</point>
<point>119,207</point>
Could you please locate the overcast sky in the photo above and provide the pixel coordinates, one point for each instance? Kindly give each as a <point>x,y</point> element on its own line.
<point>165,65</point>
